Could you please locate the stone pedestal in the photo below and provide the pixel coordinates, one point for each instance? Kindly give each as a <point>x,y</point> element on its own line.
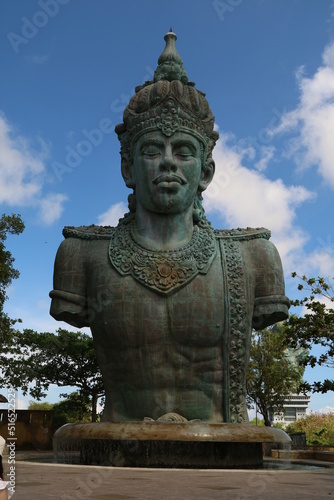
<point>160,444</point>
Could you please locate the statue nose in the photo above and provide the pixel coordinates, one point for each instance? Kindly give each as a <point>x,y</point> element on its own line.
<point>168,164</point>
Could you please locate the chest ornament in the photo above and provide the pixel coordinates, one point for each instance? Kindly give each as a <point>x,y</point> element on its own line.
<point>164,272</point>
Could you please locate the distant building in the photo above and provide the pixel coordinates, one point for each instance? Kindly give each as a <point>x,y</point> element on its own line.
<point>295,407</point>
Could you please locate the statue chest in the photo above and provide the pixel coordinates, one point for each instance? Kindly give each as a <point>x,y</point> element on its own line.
<point>124,313</point>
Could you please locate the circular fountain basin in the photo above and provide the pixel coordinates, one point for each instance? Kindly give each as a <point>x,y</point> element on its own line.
<point>162,444</point>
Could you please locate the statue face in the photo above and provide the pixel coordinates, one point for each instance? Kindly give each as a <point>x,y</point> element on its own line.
<point>166,172</point>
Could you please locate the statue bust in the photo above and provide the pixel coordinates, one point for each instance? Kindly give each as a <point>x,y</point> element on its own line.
<point>170,301</point>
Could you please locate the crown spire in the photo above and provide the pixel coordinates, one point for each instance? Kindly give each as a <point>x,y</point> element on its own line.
<point>168,103</point>
<point>170,65</point>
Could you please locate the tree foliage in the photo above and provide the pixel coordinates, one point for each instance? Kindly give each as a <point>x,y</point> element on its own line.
<point>34,405</point>
<point>75,408</point>
<point>259,422</point>
<point>32,361</point>
<point>35,360</point>
<point>9,224</point>
<point>272,375</point>
<point>319,428</point>
<point>315,327</point>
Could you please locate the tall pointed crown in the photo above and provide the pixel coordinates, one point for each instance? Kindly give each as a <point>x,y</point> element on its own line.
<point>168,103</point>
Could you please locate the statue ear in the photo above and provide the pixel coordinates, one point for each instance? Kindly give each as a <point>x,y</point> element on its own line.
<point>126,169</point>
<point>207,175</point>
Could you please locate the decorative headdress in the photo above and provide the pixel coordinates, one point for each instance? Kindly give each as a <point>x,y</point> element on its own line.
<point>168,103</point>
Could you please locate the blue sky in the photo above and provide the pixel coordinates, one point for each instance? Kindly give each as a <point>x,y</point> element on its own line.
<point>68,68</point>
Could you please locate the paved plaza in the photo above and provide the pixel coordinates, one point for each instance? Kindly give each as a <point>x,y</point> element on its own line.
<point>35,480</point>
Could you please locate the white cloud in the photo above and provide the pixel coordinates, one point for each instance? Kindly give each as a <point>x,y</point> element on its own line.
<point>113,214</point>
<point>325,409</point>
<point>328,55</point>
<point>267,153</point>
<point>312,121</point>
<point>22,174</point>
<point>20,168</point>
<point>320,262</point>
<point>51,207</point>
<point>245,197</point>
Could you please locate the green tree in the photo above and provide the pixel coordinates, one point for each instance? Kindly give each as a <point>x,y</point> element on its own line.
<point>75,408</point>
<point>315,327</point>
<point>34,405</point>
<point>257,421</point>
<point>9,224</point>
<point>271,376</point>
<point>318,427</point>
<point>37,360</point>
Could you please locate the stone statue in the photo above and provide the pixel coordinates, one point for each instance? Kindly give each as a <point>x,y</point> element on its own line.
<point>170,301</point>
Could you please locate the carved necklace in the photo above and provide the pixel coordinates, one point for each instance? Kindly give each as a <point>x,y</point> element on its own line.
<point>164,272</point>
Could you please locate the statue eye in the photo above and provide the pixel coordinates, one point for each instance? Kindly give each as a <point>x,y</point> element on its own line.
<point>183,151</point>
<point>151,151</point>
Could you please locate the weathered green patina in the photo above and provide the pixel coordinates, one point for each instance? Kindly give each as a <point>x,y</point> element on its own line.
<point>171,302</point>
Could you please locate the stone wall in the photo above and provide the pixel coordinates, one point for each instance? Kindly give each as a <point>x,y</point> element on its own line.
<point>33,428</point>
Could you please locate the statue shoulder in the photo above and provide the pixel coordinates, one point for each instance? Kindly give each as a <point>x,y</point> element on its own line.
<point>78,240</point>
<point>256,249</point>
<point>89,232</point>
<point>240,234</point>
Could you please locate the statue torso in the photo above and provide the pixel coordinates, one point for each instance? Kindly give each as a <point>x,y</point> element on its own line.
<point>160,354</point>
<point>172,332</point>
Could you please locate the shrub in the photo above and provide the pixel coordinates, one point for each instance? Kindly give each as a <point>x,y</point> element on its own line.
<point>318,427</point>
<point>259,423</point>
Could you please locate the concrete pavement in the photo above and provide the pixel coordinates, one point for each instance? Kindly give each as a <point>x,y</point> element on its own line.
<point>36,480</point>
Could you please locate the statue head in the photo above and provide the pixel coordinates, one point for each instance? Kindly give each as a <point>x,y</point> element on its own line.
<point>169,104</point>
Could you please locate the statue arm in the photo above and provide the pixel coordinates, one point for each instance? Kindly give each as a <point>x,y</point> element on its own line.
<point>270,303</point>
<point>69,302</point>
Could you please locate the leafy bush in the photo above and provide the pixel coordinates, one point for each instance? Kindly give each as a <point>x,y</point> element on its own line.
<point>319,428</point>
<point>35,405</point>
<point>259,423</point>
<point>280,425</point>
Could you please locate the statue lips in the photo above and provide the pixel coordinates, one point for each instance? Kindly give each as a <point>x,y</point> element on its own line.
<point>168,178</point>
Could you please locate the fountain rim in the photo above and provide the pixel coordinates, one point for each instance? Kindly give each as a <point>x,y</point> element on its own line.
<point>173,431</point>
